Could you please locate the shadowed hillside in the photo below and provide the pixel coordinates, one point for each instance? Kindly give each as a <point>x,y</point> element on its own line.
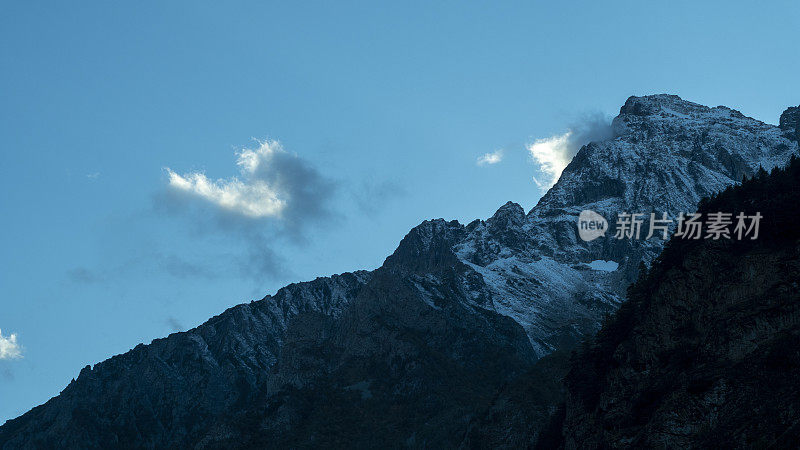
<point>706,350</point>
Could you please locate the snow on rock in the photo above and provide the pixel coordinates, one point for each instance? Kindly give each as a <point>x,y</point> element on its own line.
<point>605,266</point>
<point>665,155</point>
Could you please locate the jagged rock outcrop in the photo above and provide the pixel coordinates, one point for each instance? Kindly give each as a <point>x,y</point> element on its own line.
<point>413,351</point>
<point>790,122</point>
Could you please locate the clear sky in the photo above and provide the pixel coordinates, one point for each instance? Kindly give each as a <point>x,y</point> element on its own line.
<point>125,215</point>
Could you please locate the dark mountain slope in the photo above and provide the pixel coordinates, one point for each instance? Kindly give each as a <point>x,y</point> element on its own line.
<point>398,368</point>
<point>407,361</point>
<point>706,351</point>
<point>521,408</point>
<point>179,386</point>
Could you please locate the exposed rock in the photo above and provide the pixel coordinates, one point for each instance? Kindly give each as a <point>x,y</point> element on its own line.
<point>790,122</point>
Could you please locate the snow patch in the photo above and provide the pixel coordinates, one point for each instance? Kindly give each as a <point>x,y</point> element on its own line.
<point>605,266</point>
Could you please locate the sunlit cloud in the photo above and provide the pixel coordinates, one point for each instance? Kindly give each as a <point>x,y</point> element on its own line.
<point>554,153</point>
<point>250,196</point>
<point>275,197</point>
<point>491,158</point>
<point>9,348</point>
<point>273,186</point>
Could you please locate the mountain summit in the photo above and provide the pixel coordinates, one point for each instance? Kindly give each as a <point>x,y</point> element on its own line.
<point>409,352</point>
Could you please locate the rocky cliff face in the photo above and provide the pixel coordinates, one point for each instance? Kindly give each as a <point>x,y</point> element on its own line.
<point>706,351</point>
<point>408,353</point>
<point>790,122</point>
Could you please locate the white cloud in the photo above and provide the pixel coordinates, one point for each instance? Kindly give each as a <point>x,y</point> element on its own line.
<point>251,196</point>
<point>491,158</point>
<point>276,196</point>
<point>9,348</point>
<point>553,154</point>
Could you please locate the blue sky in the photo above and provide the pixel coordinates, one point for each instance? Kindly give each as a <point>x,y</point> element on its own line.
<point>358,121</point>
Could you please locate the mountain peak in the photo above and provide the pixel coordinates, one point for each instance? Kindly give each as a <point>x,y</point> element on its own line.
<point>649,104</point>
<point>666,105</point>
<point>669,105</point>
<point>509,214</point>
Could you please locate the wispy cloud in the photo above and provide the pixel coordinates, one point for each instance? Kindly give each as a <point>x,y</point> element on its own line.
<point>370,195</point>
<point>83,275</point>
<point>181,268</point>
<point>174,324</point>
<point>491,158</point>
<point>554,153</point>
<point>9,348</point>
<point>153,262</point>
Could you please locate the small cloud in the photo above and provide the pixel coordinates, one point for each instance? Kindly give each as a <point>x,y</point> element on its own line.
<point>174,325</point>
<point>84,276</point>
<point>491,158</point>
<point>260,259</point>
<point>93,175</point>
<point>153,262</point>
<point>180,268</point>
<point>9,348</point>
<point>553,154</point>
<point>371,196</point>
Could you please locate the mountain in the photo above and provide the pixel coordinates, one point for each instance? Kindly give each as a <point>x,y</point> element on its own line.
<point>665,155</point>
<point>705,353</point>
<point>414,352</point>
